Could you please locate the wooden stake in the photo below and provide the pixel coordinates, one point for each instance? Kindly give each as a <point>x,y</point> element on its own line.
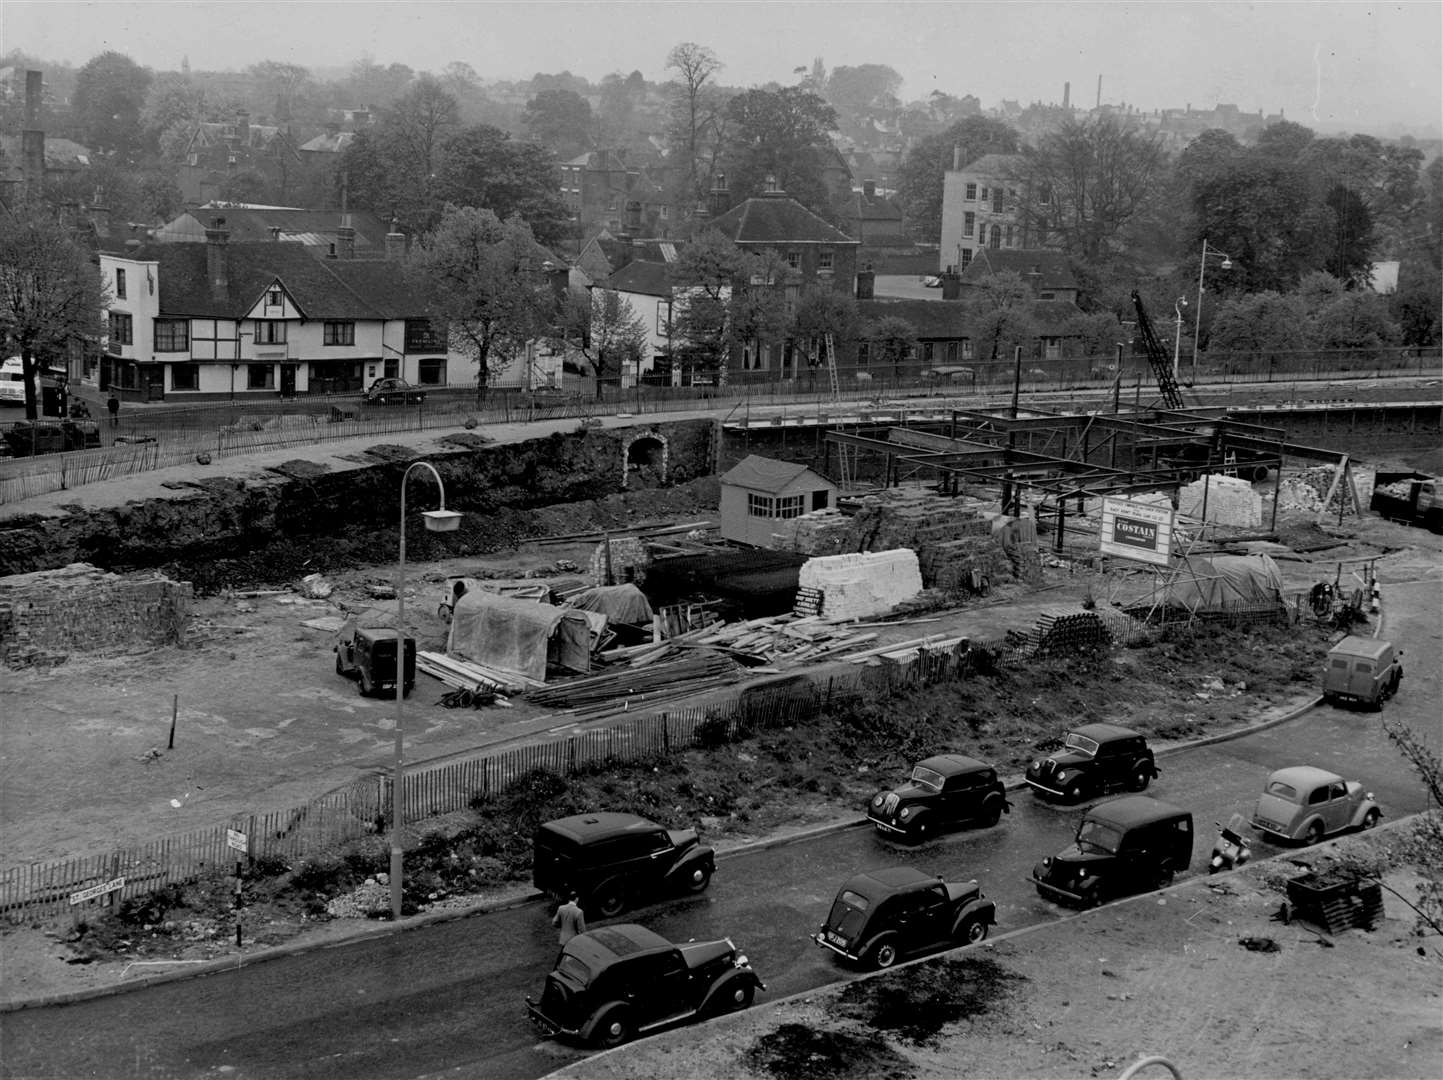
<point>174,709</point>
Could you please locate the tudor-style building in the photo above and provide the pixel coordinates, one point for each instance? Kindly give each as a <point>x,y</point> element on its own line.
<point>227,321</point>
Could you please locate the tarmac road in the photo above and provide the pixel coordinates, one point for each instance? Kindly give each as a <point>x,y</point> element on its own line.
<point>446,998</point>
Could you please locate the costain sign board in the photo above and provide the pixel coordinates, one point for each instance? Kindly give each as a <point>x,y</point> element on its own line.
<point>1138,531</point>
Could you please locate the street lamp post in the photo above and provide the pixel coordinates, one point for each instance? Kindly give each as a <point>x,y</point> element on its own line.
<point>1177,336</point>
<point>1226,264</point>
<point>441,520</point>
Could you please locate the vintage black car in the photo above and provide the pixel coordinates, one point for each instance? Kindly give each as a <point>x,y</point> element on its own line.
<point>616,860</point>
<point>394,392</point>
<point>1094,759</point>
<point>368,655</point>
<point>612,984</point>
<point>1123,846</point>
<point>882,915</point>
<point>945,790</point>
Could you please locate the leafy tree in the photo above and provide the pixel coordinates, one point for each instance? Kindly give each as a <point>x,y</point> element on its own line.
<point>245,186</point>
<point>50,293</point>
<point>1284,140</point>
<point>1262,326</point>
<point>693,113</point>
<point>1087,181</point>
<point>863,89</point>
<point>373,83</point>
<point>609,333</point>
<point>484,167</point>
<point>1212,152</point>
<point>375,173</point>
<point>1259,210</point>
<point>920,179</point>
<point>486,282</point>
<point>1349,254</point>
<point>821,310</point>
<point>1415,305</point>
<point>1356,320</point>
<point>560,120</point>
<point>110,93</point>
<point>890,341</point>
<point>999,314</point>
<point>618,101</point>
<point>281,84</point>
<point>778,133</point>
<point>702,329</point>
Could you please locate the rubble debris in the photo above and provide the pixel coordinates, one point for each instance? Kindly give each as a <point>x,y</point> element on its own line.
<point>315,586</point>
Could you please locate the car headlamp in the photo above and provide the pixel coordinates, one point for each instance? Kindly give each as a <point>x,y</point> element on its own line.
<point>906,813</point>
<point>878,799</point>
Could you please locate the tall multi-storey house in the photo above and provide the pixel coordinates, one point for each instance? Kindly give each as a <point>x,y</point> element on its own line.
<point>984,206</point>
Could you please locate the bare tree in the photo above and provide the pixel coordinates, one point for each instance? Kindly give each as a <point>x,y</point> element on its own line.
<point>694,65</point>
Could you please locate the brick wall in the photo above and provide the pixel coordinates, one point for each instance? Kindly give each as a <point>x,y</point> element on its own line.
<point>47,615</point>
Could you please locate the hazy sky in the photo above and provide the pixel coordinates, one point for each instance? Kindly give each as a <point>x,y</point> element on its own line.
<point>1322,63</point>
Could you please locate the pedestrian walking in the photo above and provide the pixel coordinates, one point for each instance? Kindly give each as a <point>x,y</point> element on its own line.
<point>569,919</point>
<point>112,405</point>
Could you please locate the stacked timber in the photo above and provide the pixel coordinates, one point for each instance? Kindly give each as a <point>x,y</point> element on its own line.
<point>468,675</point>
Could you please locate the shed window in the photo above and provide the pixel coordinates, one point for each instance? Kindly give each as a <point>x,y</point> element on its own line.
<point>759,506</point>
<point>790,506</point>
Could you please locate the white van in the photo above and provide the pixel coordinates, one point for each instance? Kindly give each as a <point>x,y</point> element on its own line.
<point>12,382</point>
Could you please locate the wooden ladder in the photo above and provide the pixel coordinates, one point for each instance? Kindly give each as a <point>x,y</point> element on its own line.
<point>831,346</point>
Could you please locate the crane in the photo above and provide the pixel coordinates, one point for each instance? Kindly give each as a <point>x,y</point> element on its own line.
<point>1157,357</point>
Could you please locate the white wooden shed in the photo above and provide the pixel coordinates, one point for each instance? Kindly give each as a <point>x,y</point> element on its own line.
<point>758,492</point>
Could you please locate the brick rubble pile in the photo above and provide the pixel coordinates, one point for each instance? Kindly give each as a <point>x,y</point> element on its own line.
<point>1222,500</point>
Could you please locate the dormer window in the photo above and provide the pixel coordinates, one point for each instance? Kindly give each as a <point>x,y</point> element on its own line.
<point>273,298</point>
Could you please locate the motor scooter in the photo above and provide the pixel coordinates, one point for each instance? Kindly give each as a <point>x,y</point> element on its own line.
<point>1231,849</point>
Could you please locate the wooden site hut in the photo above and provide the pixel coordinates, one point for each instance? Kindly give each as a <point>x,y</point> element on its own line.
<point>759,492</point>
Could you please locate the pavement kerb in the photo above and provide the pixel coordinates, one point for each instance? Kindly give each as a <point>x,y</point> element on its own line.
<point>489,907</point>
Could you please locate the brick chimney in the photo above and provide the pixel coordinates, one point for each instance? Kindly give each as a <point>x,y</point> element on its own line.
<point>866,283</point>
<point>346,239</point>
<point>32,138</point>
<point>395,243</point>
<point>951,284</point>
<point>216,236</point>
<point>243,127</point>
<point>956,158</point>
<point>869,189</point>
<point>720,196</point>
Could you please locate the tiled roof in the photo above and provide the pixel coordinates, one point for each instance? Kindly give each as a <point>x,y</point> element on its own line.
<point>776,218</point>
<point>762,474</point>
<point>321,288</point>
<point>993,165</point>
<point>642,276</point>
<point>255,223</point>
<point>1054,267</point>
<point>932,320</point>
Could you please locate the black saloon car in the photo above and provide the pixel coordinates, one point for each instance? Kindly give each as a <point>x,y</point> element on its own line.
<point>882,915</point>
<point>945,790</point>
<point>394,392</point>
<point>615,860</point>
<point>1094,759</point>
<point>612,984</point>
<point>1123,846</point>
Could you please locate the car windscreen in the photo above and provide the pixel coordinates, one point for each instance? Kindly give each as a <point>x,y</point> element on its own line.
<point>1098,837</point>
<point>1282,790</point>
<point>927,778</point>
<point>1081,743</point>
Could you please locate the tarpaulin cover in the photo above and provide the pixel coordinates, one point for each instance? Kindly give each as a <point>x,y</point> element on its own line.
<point>518,636</point>
<point>619,603</point>
<point>1223,582</point>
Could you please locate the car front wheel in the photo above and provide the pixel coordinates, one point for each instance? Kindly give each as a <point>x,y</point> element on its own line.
<point>991,815</point>
<point>741,996</point>
<point>1370,819</point>
<point>698,879</point>
<point>614,1028</point>
<point>973,931</point>
<point>1140,779</point>
<point>1075,791</point>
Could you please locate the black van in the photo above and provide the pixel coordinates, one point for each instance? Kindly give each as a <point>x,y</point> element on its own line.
<point>368,654</point>
<point>613,860</point>
<point>1123,846</point>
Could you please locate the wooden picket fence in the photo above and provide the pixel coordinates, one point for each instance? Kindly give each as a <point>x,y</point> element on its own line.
<point>48,890</point>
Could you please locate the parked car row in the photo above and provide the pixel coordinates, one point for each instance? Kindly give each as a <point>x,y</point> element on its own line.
<point>612,983</point>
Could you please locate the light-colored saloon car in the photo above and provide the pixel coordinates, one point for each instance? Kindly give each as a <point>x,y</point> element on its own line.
<point>1307,803</point>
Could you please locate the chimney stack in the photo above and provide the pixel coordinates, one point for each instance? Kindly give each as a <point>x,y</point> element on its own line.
<point>395,243</point>
<point>956,158</point>
<point>869,189</point>
<point>216,236</point>
<point>32,138</point>
<point>346,238</point>
<point>1067,95</point>
<point>720,197</point>
<point>951,284</point>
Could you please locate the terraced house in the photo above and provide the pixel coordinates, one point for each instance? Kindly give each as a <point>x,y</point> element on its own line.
<point>215,321</point>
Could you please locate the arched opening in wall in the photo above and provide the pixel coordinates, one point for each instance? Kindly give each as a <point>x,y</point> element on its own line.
<point>645,463</point>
